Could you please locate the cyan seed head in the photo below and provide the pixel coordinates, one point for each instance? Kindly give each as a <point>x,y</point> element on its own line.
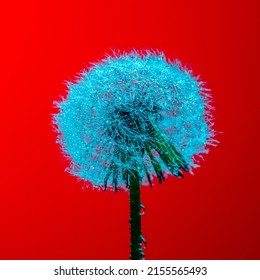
<point>134,112</point>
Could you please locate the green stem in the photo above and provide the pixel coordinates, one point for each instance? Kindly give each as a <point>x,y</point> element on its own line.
<point>135,217</point>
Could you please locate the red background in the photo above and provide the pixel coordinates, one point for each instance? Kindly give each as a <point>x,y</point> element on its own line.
<point>45,214</point>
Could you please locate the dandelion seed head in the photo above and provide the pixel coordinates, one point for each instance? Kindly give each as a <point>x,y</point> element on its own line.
<point>104,123</point>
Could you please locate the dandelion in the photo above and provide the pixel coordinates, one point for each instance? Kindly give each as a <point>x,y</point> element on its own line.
<point>132,117</point>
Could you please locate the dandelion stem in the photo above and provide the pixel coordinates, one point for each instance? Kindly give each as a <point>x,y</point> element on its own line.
<point>135,217</point>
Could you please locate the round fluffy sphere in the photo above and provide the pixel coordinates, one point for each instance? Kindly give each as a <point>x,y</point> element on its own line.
<point>110,114</point>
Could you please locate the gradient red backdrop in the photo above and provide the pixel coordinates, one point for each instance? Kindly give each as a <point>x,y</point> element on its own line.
<point>45,214</point>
